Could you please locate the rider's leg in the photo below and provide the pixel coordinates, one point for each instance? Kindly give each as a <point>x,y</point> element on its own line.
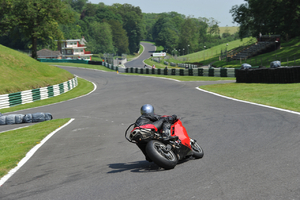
<point>166,132</point>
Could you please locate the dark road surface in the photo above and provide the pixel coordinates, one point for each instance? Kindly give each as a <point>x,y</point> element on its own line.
<point>138,63</point>
<point>250,152</point>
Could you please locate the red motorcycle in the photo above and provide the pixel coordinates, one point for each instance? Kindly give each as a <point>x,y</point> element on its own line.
<point>164,153</point>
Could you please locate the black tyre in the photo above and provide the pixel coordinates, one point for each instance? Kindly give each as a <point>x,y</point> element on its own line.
<point>159,154</point>
<point>197,150</point>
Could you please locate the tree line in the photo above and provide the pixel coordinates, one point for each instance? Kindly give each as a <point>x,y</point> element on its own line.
<point>117,29</point>
<point>269,17</point>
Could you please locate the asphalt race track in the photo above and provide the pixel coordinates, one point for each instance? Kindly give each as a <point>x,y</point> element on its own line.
<point>250,152</point>
<point>138,63</point>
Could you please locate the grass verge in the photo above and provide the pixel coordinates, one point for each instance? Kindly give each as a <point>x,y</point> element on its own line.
<point>83,88</point>
<point>285,96</point>
<point>20,72</point>
<point>288,54</point>
<point>16,143</point>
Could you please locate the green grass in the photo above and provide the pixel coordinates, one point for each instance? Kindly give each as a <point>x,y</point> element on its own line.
<point>16,143</point>
<point>230,29</point>
<point>288,54</point>
<point>141,49</point>
<point>29,73</point>
<point>158,49</point>
<point>204,57</point>
<point>284,96</point>
<point>96,58</point>
<point>131,57</point>
<point>83,88</point>
<point>212,54</point>
<point>185,78</point>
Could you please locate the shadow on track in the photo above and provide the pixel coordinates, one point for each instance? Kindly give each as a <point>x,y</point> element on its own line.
<point>139,166</point>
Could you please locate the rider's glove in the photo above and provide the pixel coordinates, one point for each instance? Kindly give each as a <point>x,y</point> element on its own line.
<point>174,117</point>
<point>171,119</point>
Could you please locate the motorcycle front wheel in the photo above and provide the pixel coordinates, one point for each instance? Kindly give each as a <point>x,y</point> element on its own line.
<point>197,150</point>
<point>160,155</point>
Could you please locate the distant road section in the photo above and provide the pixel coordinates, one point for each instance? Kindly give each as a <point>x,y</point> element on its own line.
<point>138,62</point>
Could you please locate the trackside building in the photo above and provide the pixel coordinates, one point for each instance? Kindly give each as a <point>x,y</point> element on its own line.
<point>74,49</point>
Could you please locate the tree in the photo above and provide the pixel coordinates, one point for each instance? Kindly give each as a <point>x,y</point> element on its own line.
<point>120,39</point>
<point>268,17</point>
<point>105,13</point>
<point>77,5</point>
<point>132,18</point>
<point>188,35</point>
<point>102,41</point>
<point>36,19</point>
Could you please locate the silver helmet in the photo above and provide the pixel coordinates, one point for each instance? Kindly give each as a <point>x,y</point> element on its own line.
<point>147,109</point>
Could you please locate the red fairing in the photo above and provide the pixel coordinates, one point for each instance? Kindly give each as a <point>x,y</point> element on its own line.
<point>147,126</point>
<point>178,129</point>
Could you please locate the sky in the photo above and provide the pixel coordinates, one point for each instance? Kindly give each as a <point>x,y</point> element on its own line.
<point>217,9</point>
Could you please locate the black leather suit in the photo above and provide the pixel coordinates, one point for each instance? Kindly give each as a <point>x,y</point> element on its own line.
<point>159,122</point>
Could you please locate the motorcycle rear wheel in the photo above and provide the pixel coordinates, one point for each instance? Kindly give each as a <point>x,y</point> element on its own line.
<point>159,155</point>
<point>197,150</point>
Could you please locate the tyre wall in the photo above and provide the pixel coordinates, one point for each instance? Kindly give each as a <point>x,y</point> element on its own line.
<point>269,75</point>
<point>217,72</point>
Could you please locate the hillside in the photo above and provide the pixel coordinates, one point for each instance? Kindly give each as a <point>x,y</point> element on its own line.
<point>229,29</point>
<point>288,54</point>
<point>20,72</point>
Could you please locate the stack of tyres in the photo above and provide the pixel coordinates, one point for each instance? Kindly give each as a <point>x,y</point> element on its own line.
<point>259,76</point>
<point>190,72</point>
<point>297,74</point>
<point>11,119</point>
<point>280,73</point>
<point>37,117</point>
<point>165,71</point>
<point>200,71</point>
<point>173,71</point>
<point>95,62</point>
<point>292,74</point>
<point>28,118</point>
<point>239,76</point>
<point>211,72</point>
<point>223,72</point>
<point>284,75</point>
<point>270,73</point>
<point>181,72</point>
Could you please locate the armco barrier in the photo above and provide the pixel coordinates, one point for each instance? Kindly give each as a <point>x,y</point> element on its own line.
<point>269,75</point>
<point>28,96</point>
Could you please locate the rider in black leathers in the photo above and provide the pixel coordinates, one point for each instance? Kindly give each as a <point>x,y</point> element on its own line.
<point>164,123</point>
<point>161,123</point>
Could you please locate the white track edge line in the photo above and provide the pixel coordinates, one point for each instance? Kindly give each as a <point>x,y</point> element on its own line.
<point>248,102</point>
<point>31,153</point>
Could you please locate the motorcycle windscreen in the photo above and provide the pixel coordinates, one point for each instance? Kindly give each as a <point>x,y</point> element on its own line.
<point>177,129</point>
